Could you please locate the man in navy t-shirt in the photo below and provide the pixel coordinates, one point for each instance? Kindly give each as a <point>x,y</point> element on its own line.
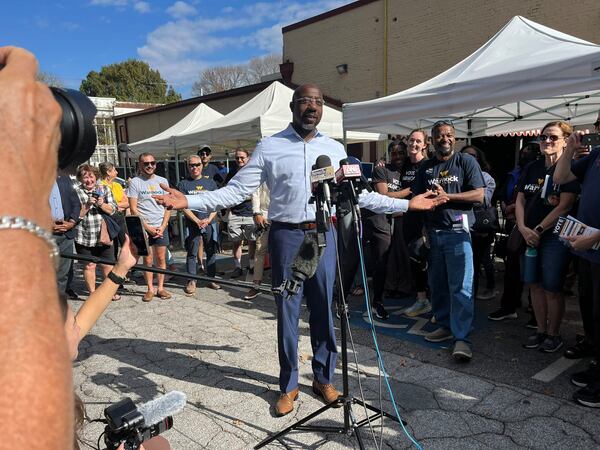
<point>587,171</point>
<point>199,225</point>
<point>458,177</point>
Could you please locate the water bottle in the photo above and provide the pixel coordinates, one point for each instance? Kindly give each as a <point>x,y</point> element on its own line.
<point>530,266</point>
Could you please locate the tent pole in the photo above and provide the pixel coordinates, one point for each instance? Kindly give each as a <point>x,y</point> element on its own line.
<point>469,132</point>
<point>179,214</point>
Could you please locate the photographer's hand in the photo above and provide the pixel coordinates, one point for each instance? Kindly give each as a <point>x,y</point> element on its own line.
<point>35,367</point>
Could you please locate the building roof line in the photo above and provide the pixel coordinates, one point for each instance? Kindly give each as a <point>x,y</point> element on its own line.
<point>326,15</point>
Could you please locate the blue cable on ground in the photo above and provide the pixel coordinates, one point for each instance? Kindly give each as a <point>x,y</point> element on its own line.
<point>379,357</point>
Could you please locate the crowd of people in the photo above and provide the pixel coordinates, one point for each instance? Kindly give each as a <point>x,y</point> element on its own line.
<point>425,227</point>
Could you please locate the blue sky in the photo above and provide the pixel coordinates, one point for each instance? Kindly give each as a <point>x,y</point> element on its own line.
<point>179,38</point>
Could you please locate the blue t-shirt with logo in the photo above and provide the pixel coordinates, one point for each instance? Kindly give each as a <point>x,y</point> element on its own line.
<point>190,186</point>
<point>587,171</point>
<point>460,173</point>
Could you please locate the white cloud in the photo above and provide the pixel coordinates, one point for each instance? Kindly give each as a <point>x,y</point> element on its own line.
<point>181,9</point>
<point>142,7</point>
<point>182,48</point>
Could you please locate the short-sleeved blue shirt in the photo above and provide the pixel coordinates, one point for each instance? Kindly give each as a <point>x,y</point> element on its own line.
<point>190,186</point>
<point>461,173</point>
<point>587,171</point>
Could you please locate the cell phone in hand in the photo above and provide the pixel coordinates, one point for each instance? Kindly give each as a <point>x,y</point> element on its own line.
<point>590,139</point>
<point>137,234</point>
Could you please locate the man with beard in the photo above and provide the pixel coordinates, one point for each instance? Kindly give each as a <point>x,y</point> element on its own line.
<point>379,228</point>
<point>457,177</point>
<point>284,162</point>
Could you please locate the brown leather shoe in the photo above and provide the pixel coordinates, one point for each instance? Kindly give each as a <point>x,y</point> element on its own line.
<point>190,289</point>
<point>148,296</point>
<point>327,392</point>
<point>163,294</point>
<point>213,285</point>
<point>285,403</point>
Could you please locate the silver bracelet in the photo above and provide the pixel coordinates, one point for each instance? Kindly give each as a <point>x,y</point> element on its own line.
<point>20,223</point>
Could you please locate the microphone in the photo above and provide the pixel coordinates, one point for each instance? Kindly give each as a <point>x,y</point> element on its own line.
<point>159,409</point>
<point>321,176</point>
<point>303,266</point>
<point>350,169</point>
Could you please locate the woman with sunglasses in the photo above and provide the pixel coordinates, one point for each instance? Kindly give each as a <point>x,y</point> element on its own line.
<point>95,200</point>
<point>539,204</point>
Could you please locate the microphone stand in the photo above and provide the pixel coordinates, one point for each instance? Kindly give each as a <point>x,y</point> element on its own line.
<point>346,201</point>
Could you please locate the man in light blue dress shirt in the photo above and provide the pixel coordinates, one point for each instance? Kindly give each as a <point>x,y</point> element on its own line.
<point>284,162</point>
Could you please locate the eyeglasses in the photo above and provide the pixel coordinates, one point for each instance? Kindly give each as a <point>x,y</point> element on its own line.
<point>149,163</point>
<point>306,100</point>
<point>553,138</point>
<point>195,164</point>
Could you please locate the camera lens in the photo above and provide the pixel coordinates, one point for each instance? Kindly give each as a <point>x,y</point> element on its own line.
<point>78,135</point>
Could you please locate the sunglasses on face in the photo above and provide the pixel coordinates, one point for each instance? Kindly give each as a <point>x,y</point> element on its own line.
<point>195,164</point>
<point>552,138</point>
<point>204,153</point>
<point>149,163</point>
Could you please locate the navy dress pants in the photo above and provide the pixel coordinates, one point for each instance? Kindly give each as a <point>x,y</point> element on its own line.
<point>284,243</point>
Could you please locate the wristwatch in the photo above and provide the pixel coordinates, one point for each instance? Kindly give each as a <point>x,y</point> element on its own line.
<point>116,278</point>
<point>539,229</point>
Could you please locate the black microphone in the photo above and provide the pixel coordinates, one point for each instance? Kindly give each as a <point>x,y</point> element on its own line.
<point>321,176</point>
<point>303,266</point>
<point>364,182</point>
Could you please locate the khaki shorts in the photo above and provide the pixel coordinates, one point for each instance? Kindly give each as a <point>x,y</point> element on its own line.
<point>239,228</point>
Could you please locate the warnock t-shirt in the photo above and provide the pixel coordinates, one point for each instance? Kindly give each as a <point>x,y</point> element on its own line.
<point>460,173</point>
<point>532,180</point>
<point>391,177</point>
<point>190,186</point>
<point>143,189</point>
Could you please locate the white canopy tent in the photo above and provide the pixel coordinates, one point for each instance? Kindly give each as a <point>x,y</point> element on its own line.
<point>264,115</point>
<point>523,77</point>
<point>164,144</point>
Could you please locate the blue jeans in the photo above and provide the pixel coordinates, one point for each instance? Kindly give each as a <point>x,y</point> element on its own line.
<point>451,281</point>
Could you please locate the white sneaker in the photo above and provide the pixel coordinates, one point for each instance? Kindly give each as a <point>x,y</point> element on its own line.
<point>421,306</point>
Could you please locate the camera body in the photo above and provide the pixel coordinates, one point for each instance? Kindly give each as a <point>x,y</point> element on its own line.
<point>126,425</point>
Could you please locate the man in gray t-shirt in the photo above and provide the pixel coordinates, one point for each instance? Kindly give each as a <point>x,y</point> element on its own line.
<point>154,217</point>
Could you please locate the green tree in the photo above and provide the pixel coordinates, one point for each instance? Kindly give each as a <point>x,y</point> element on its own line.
<point>132,81</point>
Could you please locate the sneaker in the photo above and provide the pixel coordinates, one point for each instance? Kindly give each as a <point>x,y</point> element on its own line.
<point>71,294</point>
<point>421,306</point>
<point>502,314</point>
<point>462,351</point>
<point>190,288</point>
<point>551,344</point>
<point>487,294</point>
<point>439,335</point>
<point>532,323</point>
<point>238,272</point>
<point>379,311</point>
<point>252,294</point>
<point>535,340</point>
<point>588,396</point>
<point>589,376</point>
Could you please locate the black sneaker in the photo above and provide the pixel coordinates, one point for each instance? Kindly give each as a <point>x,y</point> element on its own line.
<point>588,396</point>
<point>502,314</point>
<point>379,311</point>
<point>238,272</point>
<point>71,294</point>
<point>531,324</point>
<point>535,340</point>
<point>589,376</point>
<point>551,344</point>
